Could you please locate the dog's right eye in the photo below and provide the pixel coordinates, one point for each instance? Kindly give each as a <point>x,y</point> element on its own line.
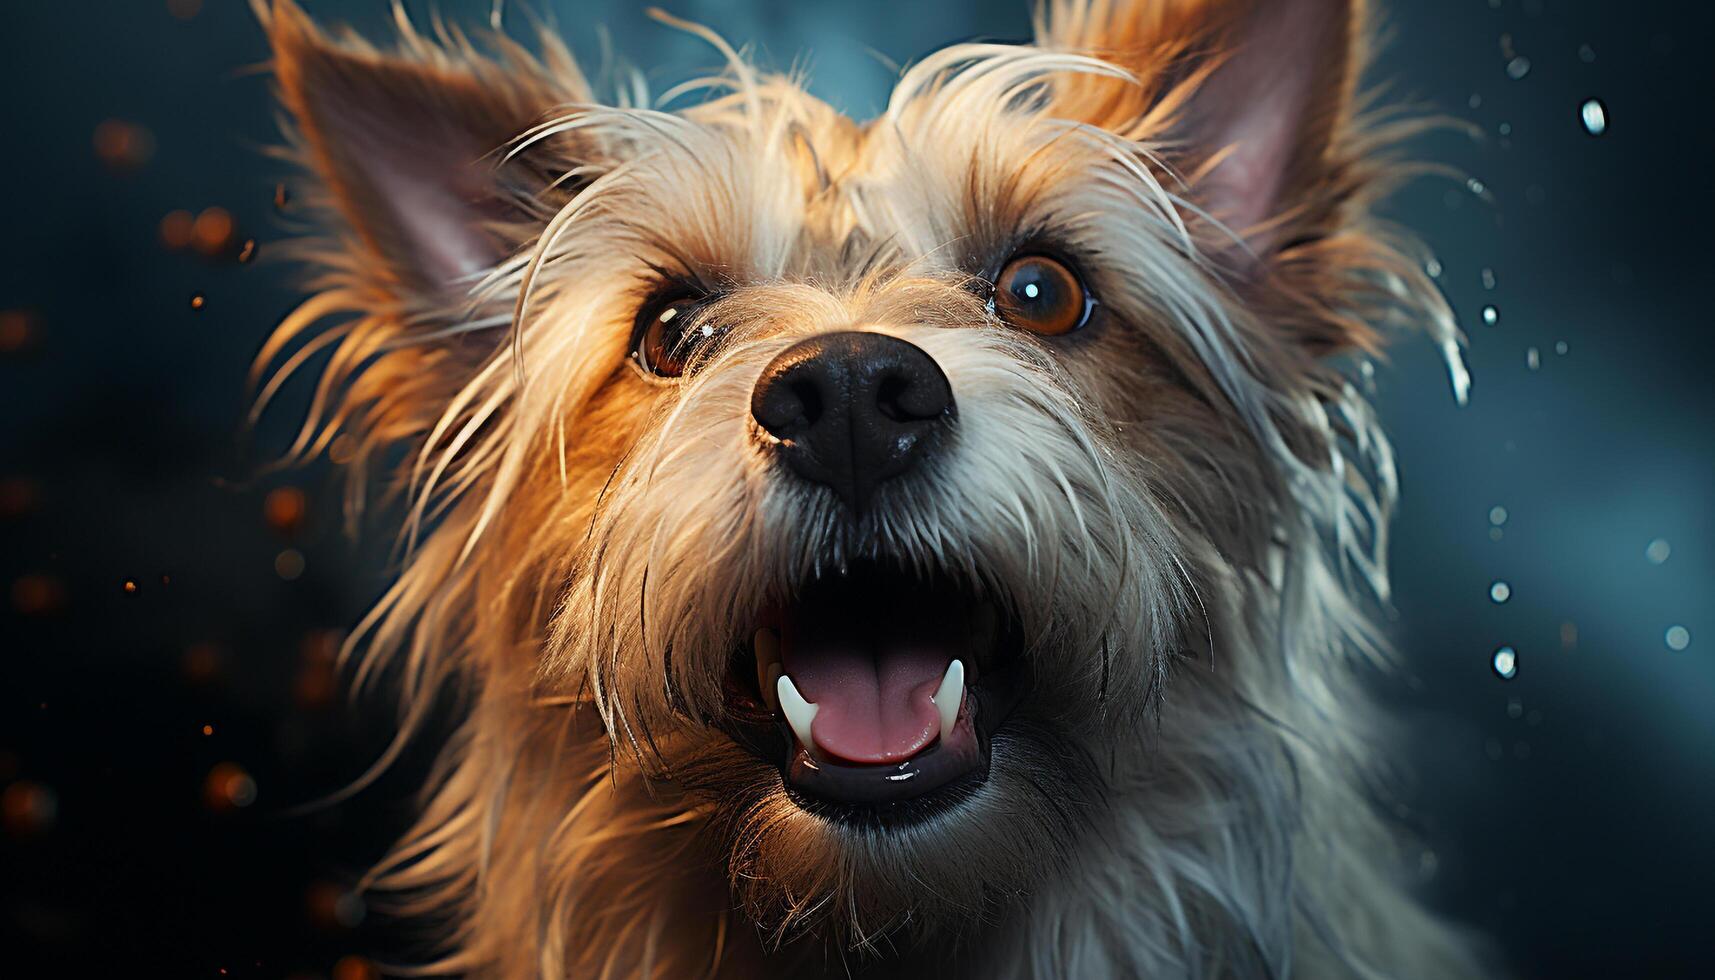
<point>667,333</point>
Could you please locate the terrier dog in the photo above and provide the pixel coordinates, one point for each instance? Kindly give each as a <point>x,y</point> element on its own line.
<point>939,545</point>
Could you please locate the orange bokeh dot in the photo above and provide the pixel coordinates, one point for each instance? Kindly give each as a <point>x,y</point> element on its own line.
<point>177,228</point>
<point>19,496</point>
<point>28,808</point>
<point>201,663</point>
<point>228,786</point>
<point>122,145</point>
<point>38,594</point>
<point>17,330</point>
<point>355,968</point>
<point>283,509</point>
<point>212,232</point>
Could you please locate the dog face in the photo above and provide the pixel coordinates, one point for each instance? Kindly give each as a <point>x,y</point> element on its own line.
<point>876,494</point>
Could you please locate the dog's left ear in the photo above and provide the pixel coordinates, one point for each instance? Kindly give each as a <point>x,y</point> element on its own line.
<point>1249,97</point>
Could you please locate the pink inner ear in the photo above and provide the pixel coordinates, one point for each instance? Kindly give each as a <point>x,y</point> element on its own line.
<point>418,186</point>
<point>1266,111</point>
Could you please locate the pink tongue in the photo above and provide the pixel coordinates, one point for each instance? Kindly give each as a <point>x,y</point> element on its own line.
<point>875,705</point>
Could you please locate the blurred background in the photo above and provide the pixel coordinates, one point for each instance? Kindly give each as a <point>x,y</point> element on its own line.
<point>169,609</point>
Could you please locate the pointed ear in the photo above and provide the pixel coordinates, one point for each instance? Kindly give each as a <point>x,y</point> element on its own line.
<point>1249,97</point>
<point>410,147</point>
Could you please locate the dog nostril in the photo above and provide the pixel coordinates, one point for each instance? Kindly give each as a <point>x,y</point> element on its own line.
<point>900,397</point>
<point>788,401</point>
<point>887,396</point>
<point>809,395</point>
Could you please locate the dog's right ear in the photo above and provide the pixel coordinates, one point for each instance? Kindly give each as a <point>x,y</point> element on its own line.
<point>410,148</point>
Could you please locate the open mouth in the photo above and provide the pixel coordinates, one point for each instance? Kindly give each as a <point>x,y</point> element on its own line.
<point>876,687</point>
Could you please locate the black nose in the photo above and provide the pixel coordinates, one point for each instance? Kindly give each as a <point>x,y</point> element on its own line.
<point>852,410</point>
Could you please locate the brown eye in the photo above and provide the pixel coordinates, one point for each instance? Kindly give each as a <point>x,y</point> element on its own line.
<point>1039,294</point>
<point>662,343</point>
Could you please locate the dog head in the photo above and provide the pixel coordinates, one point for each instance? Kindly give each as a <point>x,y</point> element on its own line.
<point>889,497</point>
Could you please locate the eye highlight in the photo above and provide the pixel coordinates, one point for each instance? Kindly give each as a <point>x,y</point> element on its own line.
<point>668,333</point>
<point>1041,294</point>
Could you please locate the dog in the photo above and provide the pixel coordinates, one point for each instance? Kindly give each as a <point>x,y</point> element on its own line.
<point>943,545</point>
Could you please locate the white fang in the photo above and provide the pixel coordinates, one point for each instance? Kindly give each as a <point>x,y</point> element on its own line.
<point>949,696</point>
<point>799,712</point>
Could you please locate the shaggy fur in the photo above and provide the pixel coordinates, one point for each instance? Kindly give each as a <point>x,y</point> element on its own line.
<point>1183,504</point>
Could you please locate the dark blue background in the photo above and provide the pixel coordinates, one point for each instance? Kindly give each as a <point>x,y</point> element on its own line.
<point>1566,811</point>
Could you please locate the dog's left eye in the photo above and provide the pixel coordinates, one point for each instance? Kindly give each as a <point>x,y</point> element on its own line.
<point>1040,294</point>
<point>669,330</point>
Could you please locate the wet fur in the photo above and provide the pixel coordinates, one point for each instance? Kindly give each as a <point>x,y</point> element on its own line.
<point>1185,505</point>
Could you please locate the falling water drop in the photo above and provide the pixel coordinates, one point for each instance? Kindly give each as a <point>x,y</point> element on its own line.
<point>1560,347</point>
<point>1491,316</point>
<point>1497,515</point>
<point>1595,116</point>
<point>1500,592</point>
<point>1506,663</point>
<point>1586,53</point>
<point>1518,68</point>
<point>1658,551</point>
<point>1488,278</point>
<point>1533,358</point>
<point>198,301</point>
<point>1678,638</point>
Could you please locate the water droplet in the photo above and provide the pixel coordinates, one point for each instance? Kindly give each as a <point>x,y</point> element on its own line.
<point>1500,592</point>
<point>1505,129</point>
<point>1560,347</point>
<point>1491,316</point>
<point>1515,708</point>
<point>1518,68</point>
<point>1478,188</point>
<point>1488,278</point>
<point>198,301</point>
<point>1586,53</point>
<point>1678,638</point>
<point>1474,101</point>
<point>1532,358</point>
<point>1506,663</point>
<point>1497,515</point>
<point>1433,267</point>
<point>248,252</point>
<point>1595,116</point>
<point>1658,551</point>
